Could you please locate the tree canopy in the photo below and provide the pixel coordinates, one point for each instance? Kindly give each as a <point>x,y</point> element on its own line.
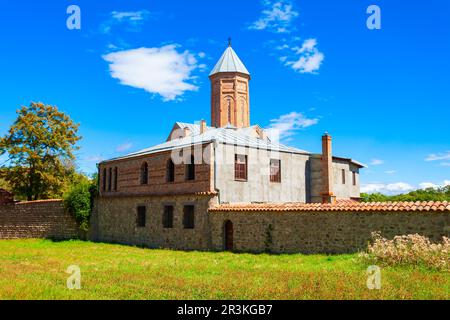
<point>429,194</point>
<point>39,148</point>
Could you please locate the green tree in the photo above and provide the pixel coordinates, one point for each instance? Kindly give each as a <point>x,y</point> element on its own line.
<point>39,147</point>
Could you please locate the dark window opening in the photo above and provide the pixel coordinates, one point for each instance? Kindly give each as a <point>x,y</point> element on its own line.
<point>275,170</point>
<point>115,179</point>
<point>104,180</point>
<point>144,173</point>
<point>240,167</point>
<point>170,171</point>
<point>190,169</point>
<point>188,217</point>
<point>168,217</point>
<point>343,176</point>
<point>354,178</point>
<point>141,213</point>
<point>109,179</point>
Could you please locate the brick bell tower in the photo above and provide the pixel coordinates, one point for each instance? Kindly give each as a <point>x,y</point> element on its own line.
<point>230,99</point>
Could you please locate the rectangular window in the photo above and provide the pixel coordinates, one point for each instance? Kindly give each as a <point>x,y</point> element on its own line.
<point>104,180</point>
<point>275,170</point>
<point>188,217</point>
<point>141,213</point>
<point>168,217</point>
<point>240,167</point>
<point>343,176</point>
<point>354,178</point>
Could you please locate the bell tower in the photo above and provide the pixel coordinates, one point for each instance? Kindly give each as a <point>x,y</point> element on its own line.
<point>230,99</point>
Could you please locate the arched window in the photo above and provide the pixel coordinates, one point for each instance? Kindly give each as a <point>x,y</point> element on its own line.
<point>104,180</point>
<point>115,179</point>
<point>109,179</point>
<point>170,171</point>
<point>144,173</point>
<point>190,169</point>
<point>229,109</point>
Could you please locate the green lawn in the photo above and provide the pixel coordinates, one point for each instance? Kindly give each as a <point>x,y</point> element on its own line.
<point>35,269</point>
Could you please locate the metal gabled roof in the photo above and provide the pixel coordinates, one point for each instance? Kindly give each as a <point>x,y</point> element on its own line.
<point>229,62</point>
<point>230,136</point>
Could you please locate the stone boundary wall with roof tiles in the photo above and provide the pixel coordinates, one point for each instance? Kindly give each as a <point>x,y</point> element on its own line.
<point>36,219</point>
<point>323,228</point>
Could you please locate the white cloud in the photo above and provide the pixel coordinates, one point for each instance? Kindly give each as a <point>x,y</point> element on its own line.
<point>307,58</point>
<point>425,185</point>
<point>390,171</point>
<point>132,19</point>
<point>95,158</point>
<point>376,162</point>
<point>286,125</point>
<point>445,164</point>
<point>163,71</point>
<point>124,147</point>
<point>438,156</point>
<point>391,188</point>
<point>277,16</point>
<point>130,15</point>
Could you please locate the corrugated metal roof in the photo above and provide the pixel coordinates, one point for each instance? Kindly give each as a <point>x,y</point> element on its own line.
<point>229,62</point>
<point>239,137</point>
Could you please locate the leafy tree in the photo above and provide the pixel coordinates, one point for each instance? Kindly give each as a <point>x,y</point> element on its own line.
<point>39,146</point>
<point>79,200</point>
<point>429,194</point>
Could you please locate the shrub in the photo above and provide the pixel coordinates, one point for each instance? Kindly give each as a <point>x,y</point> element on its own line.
<point>78,202</point>
<point>412,249</point>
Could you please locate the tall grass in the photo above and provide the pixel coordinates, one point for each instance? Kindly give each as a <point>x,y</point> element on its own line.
<point>409,250</point>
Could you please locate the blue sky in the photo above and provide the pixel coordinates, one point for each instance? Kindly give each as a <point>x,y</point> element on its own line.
<point>136,67</point>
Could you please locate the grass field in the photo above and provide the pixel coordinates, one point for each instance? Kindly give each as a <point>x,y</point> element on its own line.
<point>35,269</point>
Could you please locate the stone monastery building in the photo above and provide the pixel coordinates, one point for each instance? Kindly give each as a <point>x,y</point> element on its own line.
<point>229,186</point>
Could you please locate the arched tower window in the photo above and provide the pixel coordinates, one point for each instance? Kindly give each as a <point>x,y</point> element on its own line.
<point>144,173</point>
<point>229,109</point>
<point>170,171</point>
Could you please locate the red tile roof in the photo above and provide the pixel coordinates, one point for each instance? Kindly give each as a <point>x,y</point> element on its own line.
<point>346,205</point>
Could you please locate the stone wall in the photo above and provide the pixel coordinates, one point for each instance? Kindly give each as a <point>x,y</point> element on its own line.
<point>36,219</point>
<point>321,232</point>
<point>115,220</point>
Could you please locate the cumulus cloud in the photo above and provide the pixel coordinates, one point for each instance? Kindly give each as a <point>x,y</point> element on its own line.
<point>376,162</point>
<point>163,71</point>
<point>286,125</point>
<point>307,58</point>
<point>124,147</point>
<point>391,188</point>
<point>277,16</point>
<point>131,19</point>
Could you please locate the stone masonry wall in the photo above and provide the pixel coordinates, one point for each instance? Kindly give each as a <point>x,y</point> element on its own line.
<point>321,232</point>
<point>115,220</point>
<point>36,219</point>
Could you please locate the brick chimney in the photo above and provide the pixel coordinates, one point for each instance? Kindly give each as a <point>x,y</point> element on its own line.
<point>202,126</point>
<point>327,170</point>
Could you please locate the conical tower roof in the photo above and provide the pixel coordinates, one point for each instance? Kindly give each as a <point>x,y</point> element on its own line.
<point>229,62</point>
